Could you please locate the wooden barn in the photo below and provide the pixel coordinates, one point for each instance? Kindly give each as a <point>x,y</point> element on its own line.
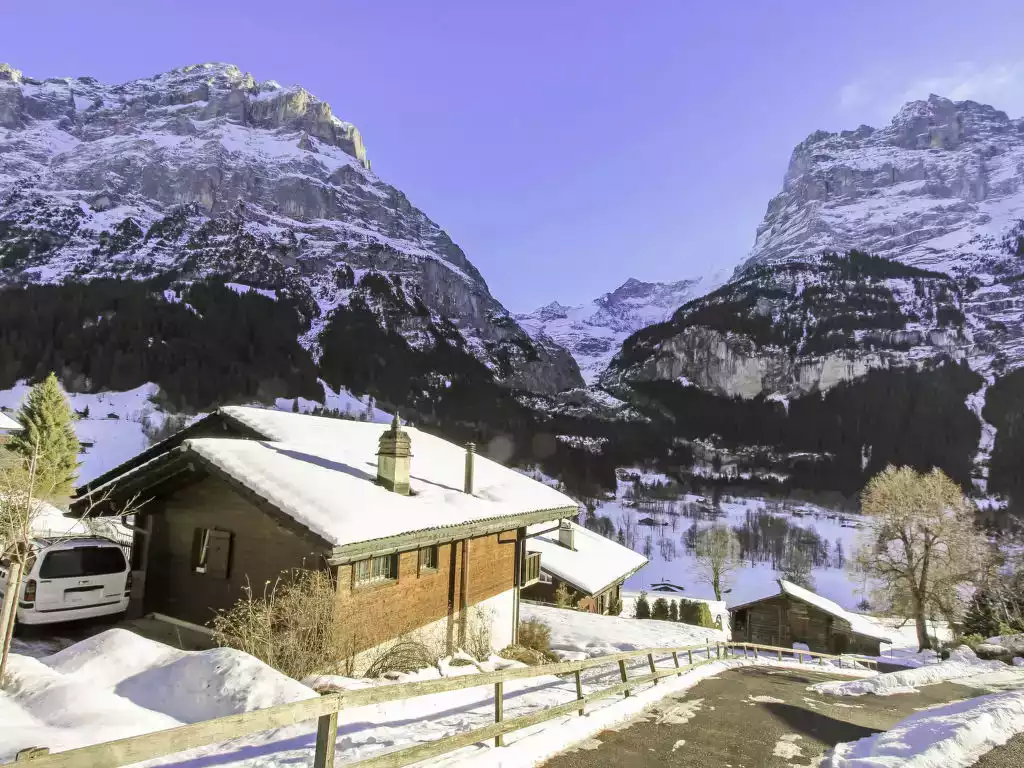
<point>797,615</point>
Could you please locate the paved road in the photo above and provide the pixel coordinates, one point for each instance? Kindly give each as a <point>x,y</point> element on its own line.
<point>753,718</point>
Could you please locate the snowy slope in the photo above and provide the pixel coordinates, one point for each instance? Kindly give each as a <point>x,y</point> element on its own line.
<point>593,332</point>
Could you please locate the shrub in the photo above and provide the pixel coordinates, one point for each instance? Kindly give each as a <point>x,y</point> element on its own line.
<point>972,641</point>
<point>689,611</point>
<point>615,608</point>
<point>478,633</point>
<point>565,597</point>
<point>293,627</point>
<point>673,611</point>
<point>660,610</point>
<point>401,655</point>
<point>704,616</point>
<point>643,608</point>
<point>535,635</point>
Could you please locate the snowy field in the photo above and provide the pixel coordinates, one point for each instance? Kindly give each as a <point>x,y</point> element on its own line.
<point>771,528</point>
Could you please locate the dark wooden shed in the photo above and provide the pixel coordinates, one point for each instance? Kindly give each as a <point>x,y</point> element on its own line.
<point>797,615</point>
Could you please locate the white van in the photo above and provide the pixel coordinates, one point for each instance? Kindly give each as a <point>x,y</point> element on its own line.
<point>70,579</point>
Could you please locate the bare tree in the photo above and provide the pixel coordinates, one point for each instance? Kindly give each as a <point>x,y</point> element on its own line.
<point>922,547</point>
<point>717,550</point>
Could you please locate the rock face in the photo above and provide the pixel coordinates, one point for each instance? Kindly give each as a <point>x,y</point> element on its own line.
<point>941,187</point>
<point>202,172</point>
<point>594,332</point>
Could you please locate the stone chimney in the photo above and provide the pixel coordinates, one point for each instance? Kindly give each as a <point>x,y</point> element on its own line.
<point>394,459</point>
<point>470,458</point>
<point>566,535</point>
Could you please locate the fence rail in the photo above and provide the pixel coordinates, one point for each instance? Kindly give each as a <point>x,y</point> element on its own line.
<point>324,709</point>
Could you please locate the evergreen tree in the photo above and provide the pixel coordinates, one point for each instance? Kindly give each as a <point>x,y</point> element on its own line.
<point>704,616</point>
<point>673,611</point>
<point>47,434</point>
<point>643,608</point>
<point>660,610</point>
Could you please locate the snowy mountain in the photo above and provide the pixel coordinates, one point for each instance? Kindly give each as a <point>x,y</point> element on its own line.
<point>203,175</point>
<point>594,332</point>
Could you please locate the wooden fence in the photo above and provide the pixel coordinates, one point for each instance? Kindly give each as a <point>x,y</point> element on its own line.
<point>324,709</point>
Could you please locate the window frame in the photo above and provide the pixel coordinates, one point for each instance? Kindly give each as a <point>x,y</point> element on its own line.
<point>425,554</point>
<point>200,563</point>
<point>369,579</point>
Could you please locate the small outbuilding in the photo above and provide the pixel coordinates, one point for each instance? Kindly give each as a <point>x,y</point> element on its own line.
<point>7,427</point>
<point>590,566</point>
<point>797,615</point>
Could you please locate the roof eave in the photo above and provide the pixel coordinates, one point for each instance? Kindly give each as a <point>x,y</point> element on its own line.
<point>601,589</point>
<point>360,550</point>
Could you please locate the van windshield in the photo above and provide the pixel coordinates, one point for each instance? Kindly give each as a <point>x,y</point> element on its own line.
<point>82,561</point>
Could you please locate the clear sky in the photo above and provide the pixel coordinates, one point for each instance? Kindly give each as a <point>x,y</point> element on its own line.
<point>566,145</point>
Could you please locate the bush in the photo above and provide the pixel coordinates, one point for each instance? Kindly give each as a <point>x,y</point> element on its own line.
<point>565,597</point>
<point>402,655</point>
<point>704,616</point>
<point>535,635</point>
<point>660,609</point>
<point>293,627</point>
<point>673,611</point>
<point>615,608</point>
<point>972,641</point>
<point>643,608</point>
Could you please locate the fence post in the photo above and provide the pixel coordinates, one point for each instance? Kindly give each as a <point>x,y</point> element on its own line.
<point>755,653</point>
<point>326,738</point>
<point>689,655</point>
<point>579,690</point>
<point>780,654</point>
<point>622,672</point>
<point>821,661</point>
<point>719,648</point>
<point>675,660</point>
<point>499,711</point>
<point>650,660</point>
<point>708,643</point>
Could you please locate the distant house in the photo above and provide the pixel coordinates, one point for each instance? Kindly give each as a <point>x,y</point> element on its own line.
<point>590,565</point>
<point>7,426</point>
<point>416,531</point>
<point>797,615</point>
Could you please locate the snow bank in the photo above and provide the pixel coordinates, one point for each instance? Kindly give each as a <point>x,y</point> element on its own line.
<point>961,663</point>
<point>578,635</point>
<point>954,736</point>
<point>118,684</point>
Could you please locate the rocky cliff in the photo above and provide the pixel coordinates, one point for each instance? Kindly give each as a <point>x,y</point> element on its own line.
<point>203,173</point>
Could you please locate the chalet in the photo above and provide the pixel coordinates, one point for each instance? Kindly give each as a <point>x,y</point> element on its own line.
<point>797,615</point>
<point>415,530</point>
<point>588,564</point>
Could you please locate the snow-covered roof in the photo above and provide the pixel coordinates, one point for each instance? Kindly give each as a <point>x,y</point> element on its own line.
<point>859,624</point>
<point>593,564</point>
<point>6,422</point>
<point>322,473</point>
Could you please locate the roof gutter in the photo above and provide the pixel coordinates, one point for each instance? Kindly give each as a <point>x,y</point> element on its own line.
<point>360,550</point>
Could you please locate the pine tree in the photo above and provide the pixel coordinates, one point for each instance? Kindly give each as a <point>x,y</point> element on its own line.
<point>48,434</point>
<point>673,611</point>
<point>643,608</point>
<point>660,609</point>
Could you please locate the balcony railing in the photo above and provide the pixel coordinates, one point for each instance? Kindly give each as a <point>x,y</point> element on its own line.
<point>531,568</point>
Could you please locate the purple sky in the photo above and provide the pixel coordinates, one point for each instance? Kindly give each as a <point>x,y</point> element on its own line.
<point>568,145</point>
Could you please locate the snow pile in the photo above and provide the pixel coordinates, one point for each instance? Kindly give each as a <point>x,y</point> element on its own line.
<point>953,736</point>
<point>961,663</point>
<point>578,635</point>
<point>118,684</point>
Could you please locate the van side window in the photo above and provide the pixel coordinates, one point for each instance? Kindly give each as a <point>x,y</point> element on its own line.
<point>211,552</point>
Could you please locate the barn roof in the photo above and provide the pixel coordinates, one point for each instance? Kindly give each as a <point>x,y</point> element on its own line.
<point>859,624</point>
<point>6,422</point>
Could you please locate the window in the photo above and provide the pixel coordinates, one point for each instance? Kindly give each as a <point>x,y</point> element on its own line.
<point>383,568</point>
<point>82,561</point>
<point>211,552</point>
<point>428,558</point>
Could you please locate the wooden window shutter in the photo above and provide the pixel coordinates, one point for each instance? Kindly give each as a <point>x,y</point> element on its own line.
<point>218,558</point>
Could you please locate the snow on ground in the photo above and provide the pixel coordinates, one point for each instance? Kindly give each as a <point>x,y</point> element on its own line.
<point>580,635</point>
<point>953,736</point>
<point>961,665</point>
